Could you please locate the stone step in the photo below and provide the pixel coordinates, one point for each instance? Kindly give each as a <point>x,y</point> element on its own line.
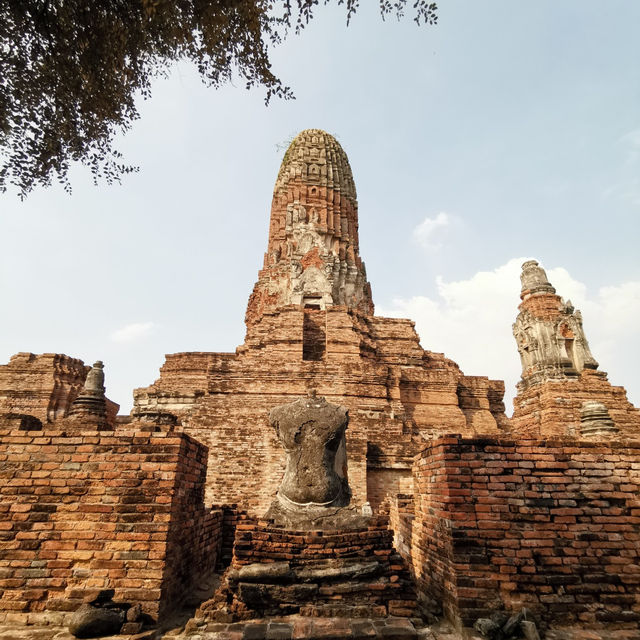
<point>299,628</point>
<point>343,610</point>
<point>276,571</point>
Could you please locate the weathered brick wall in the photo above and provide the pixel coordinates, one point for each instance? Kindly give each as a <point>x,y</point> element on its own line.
<point>396,393</point>
<point>44,385</point>
<point>194,538</point>
<point>263,542</point>
<point>231,517</point>
<point>401,516</point>
<point>383,590</point>
<point>41,385</point>
<point>551,525</point>
<point>90,510</point>
<point>552,409</point>
<point>384,485</point>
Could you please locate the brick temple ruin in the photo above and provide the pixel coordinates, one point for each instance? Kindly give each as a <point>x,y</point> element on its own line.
<point>485,511</point>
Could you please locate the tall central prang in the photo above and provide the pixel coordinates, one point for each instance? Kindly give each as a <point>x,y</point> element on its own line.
<point>313,257</point>
<point>311,327</point>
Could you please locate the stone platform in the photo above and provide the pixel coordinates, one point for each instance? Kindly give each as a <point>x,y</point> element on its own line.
<point>304,628</point>
<point>348,574</point>
<point>298,628</point>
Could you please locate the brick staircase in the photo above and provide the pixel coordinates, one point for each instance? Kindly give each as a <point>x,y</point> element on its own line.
<point>277,572</point>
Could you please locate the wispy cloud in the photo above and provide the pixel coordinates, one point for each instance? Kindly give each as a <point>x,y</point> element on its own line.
<point>429,233</point>
<point>132,332</point>
<point>631,138</point>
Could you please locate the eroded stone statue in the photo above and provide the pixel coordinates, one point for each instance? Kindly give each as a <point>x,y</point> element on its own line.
<point>314,493</point>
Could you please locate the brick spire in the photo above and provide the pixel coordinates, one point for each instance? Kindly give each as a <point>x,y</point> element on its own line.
<point>313,257</point>
<point>549,332</point>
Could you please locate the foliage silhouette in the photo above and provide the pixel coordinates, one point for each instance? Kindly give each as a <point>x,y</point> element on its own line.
<point>71,70</point>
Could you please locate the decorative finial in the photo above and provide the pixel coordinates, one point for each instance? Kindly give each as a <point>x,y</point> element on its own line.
<point>95,379</point>
<point>91,401</point>
<point>534,279</point>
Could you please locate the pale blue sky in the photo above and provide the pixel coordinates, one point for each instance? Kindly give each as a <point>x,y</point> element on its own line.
<point>513,127</point>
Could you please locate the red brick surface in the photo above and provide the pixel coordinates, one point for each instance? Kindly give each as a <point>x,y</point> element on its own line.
<point>554,526</point>
<point>552,409</point>
<point>89,510</point>
<point>397,395</point>
<point>262,542</point>
<point>44,385</point>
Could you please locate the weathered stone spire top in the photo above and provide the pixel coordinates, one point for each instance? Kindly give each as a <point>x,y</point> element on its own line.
<point>313,256</point>
<point>534,280</point>
<point>316,157</point>
<point>548,331</point>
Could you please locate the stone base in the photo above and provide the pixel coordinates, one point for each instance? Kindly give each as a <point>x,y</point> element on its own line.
<point>302,628</point>
<point>313,517</point>
<point>352,573</point>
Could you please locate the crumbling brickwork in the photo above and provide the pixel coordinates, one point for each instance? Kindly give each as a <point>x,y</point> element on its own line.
<point>89,510</point>
<point>44,386</point>
<point>401,516</point>
<point>554,526</point>
<point>553,409</point>
<point>398,396</point>
<point>354,572</point>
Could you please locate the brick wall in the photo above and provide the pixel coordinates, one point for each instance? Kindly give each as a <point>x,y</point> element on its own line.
<point>397,395</point>
<point>41,385</point>
<point>263,542</point>
<point>90,510</point>
<point>194,537</point>
<point>552,408</point>
<point>401,516</point>
<point>551,525</point>
<point>383,485</point>
<point>231,517</point>
<point>44,385</point>
<point>351,585</point>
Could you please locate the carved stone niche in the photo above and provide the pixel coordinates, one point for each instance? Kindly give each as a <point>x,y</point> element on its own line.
<point>314,492</point>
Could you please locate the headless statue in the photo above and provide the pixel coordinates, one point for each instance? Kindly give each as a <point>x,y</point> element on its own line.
<point>314,493</point>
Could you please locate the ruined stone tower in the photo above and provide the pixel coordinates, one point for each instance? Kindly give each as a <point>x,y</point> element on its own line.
<point>548,331</point>
<point>313,257</point>
<point>310,326</point>
<point>561,391</point>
